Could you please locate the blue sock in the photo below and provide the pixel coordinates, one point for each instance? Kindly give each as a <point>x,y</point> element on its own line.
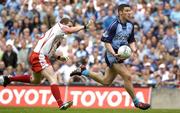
<point>136,101</point>
<point>85,73</point>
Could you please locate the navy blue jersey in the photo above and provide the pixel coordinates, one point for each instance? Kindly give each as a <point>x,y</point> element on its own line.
<point>119,34</point>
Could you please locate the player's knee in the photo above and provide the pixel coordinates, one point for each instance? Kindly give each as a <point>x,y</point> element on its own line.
<point>53,81</point>
<point>127,78</point>
<point>36,82</point>
<point>107,83</point>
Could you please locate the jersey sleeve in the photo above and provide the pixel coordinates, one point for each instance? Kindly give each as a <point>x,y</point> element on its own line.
<point>109,34</point>
<point>131,38</point>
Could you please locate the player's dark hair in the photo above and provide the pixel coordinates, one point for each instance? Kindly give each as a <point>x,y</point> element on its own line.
<point>122,6</point>
<point>65,21</point>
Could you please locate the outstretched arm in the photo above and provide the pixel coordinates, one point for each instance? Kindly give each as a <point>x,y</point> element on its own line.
<point>73,29</point>
<point>78,28</point>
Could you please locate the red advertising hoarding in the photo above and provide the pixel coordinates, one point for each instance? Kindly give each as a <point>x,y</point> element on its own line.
<point>83,97</point>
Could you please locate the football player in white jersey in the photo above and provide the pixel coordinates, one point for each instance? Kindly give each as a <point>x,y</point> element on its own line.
<point>39,58</point>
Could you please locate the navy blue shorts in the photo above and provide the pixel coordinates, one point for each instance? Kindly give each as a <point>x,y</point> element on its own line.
<point>110,59</point>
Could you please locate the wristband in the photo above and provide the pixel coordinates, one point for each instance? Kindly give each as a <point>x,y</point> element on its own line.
<point>85,27</point>
<point>59,57</point>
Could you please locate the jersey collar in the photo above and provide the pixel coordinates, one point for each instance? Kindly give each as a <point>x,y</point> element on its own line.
<point>123,24</point>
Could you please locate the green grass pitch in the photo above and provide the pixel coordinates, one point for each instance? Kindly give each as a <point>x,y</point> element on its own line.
<point>72,110</point>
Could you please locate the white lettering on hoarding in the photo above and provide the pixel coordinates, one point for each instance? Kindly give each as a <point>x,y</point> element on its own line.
<point>92,98</point>
<point>30,96</point>
<point>35,96</point>
<point>127,98</point>
<point>75,96</point>
<point>140,96</point>
<point>101,97</point>
<point>110,101</point>
<point>80,98</point>
<point>96,95</point>
<point>51,100</point>
<point>18,95</point>
<point>44,95</point>
<point>9,97</point>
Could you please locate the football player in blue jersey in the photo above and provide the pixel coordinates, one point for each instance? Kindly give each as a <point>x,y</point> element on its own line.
<point>120,32</point>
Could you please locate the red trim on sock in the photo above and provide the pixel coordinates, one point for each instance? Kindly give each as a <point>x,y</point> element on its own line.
<point>56,93</point>
<point>21,78</point>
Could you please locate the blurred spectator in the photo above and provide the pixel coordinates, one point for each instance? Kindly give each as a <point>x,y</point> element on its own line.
<point>58,7</point>
<point>15,28</point>
<point>101,17</point>
<point>19,69</point>
<point>2,67</point>
<point>78,18</point>
<point>35,34</point>
<point>119,2</point>
<point>170,39</point>
<point>43,28</point>
<point>56,66</point>
<point>9,71</point>
<point>78,80</point>
<point>173,2</point>
<point>13,5</point>
<point>34,11</point>
<point>9,57</point>
<point>171,82</point>
<point>24,12</point>
<point>90,11</point>
<point>2,5</point>
<point>81,52</point>
<point>49,19</point>
<point>26,36</point>
<point>10,21</point>
<point>3,18</point>
<point>175,15</point>
<point>108,19</point>
<point>137,33</point>
<point>178,35</point>
<point>11,41</point>
<point>66,69</point>
<point>36,23</point>
<point>60,15</point>
<point>11,38</point>
<point>75,46</point>
<point>163,72</point>
<point>147,22</point>
<point>23,53</point>
<point>26,24</point>
<point>63,48</point>
<point>167,9</point>
<point>95,57</point>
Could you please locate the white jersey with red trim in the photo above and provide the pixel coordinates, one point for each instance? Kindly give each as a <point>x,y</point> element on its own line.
<point>49,42</point>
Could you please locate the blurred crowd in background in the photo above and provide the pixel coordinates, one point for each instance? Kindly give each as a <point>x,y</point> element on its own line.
<point>156,30</point>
